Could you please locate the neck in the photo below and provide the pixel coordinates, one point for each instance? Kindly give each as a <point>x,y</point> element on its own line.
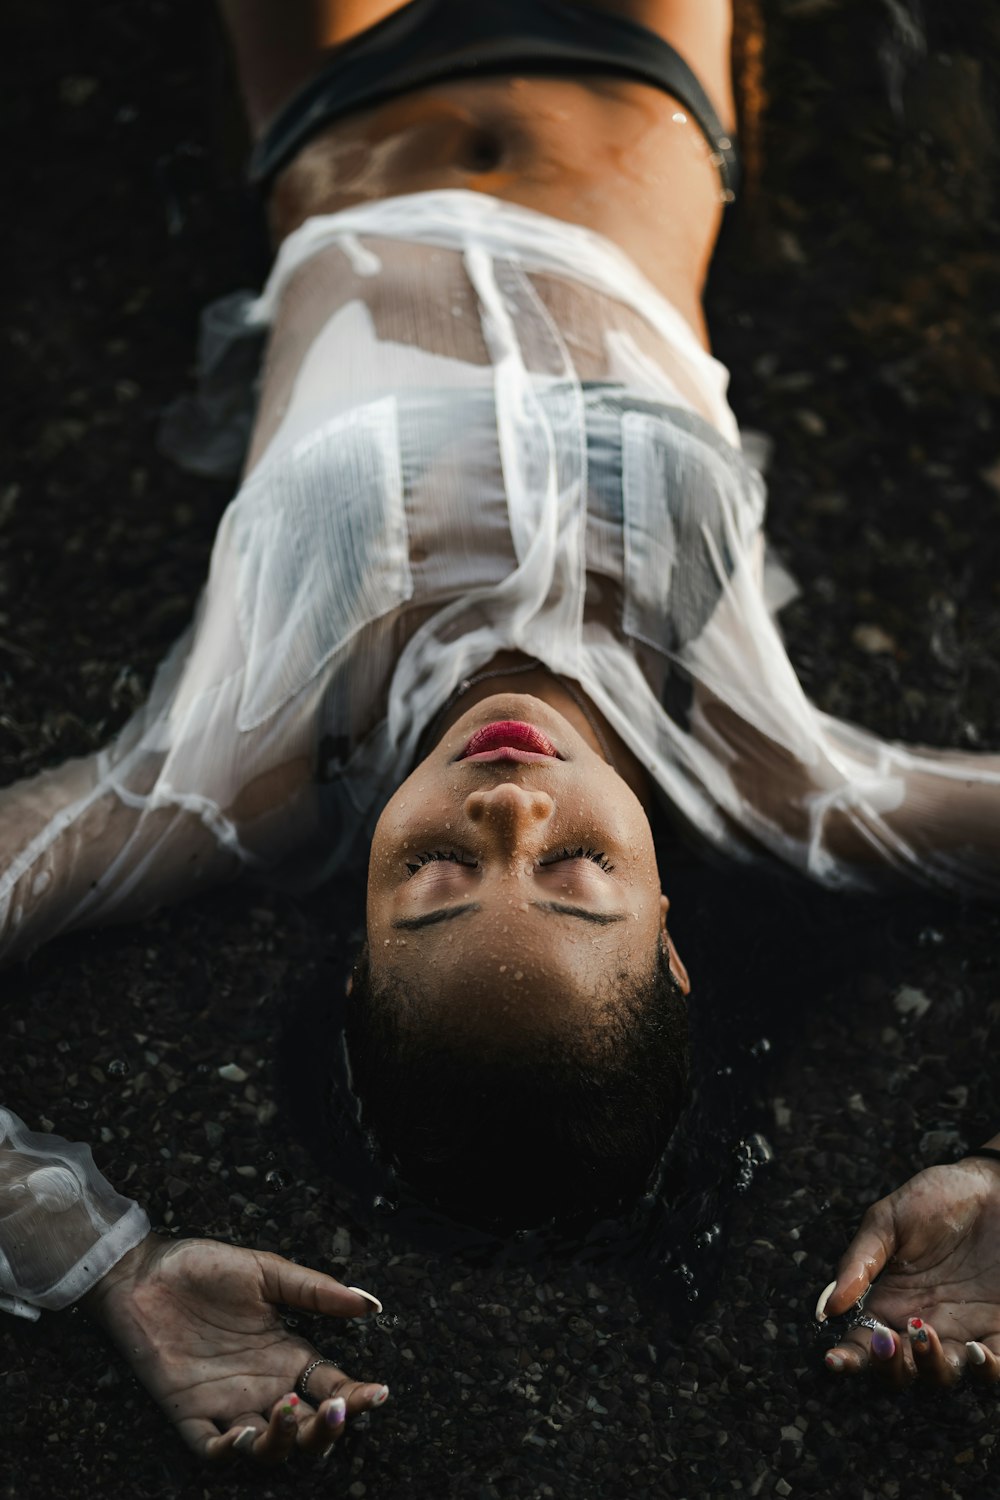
<point>572,703</point>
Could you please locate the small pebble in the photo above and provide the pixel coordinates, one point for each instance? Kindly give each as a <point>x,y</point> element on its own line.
<point>233,1073</point>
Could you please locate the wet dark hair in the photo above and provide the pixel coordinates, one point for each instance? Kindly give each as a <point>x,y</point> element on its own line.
<point>553,1123</point>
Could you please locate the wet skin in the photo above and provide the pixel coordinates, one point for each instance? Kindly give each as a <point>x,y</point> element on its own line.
<point>476,873</point>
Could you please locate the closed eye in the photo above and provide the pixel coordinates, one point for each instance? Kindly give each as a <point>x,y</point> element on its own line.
<point>430,856</point>
<point>598,858</point>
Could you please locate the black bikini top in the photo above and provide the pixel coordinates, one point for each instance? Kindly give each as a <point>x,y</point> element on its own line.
<point>429,41</point>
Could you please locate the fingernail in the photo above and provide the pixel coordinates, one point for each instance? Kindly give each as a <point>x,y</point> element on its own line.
<point>286,1412</point>
<point>380,1397</point>
<point>367,1296</point>
<point>977,1354</point>
<point>883,1342</point>
<point>833,1361</point>
<point>824,1298</point>
<point>336,1412</point>
<point>246,1438</point>
<point>918,1335</point>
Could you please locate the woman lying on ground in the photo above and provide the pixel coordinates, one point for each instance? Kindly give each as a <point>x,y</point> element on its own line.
<point>493,584</point>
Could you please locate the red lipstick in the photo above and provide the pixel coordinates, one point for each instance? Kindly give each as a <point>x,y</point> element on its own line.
<point>509,740</point>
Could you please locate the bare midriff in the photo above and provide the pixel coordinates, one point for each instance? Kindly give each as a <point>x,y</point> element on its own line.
<point>619,157</point>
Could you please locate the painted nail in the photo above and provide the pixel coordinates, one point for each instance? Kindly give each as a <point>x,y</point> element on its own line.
<point>367,1296</point>
<point>246,1439</point>
<point>883,1342</point>
<point>977,1354</point>
<point>917,1334</point>
<point>833,1361</point>
<point>824,1298</point>
<point>380,1397</point>
<point>336,1412</point>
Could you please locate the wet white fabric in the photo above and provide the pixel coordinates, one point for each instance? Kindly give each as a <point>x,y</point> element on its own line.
<point>62,1225</point>
<point>480,429</point>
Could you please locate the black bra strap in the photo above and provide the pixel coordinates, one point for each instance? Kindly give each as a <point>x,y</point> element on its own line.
<point>989,1152</point>
<point>430,41</point>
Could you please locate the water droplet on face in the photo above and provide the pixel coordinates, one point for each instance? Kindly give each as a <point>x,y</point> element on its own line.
<point>679,118</point>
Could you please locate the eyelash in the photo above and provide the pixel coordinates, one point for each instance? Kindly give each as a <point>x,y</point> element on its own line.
<point>434,854</point>
<point>431,855</point>
<point>598,857</point>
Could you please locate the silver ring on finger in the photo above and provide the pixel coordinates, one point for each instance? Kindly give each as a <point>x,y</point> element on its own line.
<point>302,1384</point>
<point>866,1322</point>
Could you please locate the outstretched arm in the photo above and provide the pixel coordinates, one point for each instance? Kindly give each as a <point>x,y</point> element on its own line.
<point>196,1319</point>
<point>75,849</point>
<point>846,807</point>
<point>868,808</point>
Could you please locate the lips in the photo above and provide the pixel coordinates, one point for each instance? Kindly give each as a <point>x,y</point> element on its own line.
<point>509,740</point>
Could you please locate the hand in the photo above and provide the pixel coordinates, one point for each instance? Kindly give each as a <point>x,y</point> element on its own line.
<point>196,1320</point>
<point>934,1241</point>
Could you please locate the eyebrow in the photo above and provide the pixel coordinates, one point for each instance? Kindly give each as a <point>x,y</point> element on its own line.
<point>449,913</point>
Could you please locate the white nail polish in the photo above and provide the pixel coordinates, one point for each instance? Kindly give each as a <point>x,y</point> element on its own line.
<point>824,1298</point>
<point>834,1361</point>
<point>367,1296</point>
<point>245,1439</point>
<point>977,1354</point>
<point>380,1397</point>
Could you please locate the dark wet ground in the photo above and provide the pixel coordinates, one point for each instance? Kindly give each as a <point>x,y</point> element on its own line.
<point>860,309</point>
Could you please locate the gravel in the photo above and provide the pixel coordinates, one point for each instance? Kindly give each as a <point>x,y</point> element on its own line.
<point>842,1046</point>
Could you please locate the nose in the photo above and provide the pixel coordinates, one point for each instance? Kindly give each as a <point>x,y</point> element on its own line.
<point>508,815</point>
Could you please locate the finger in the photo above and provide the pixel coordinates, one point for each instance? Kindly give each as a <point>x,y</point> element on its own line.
<point>852,1355</point>
<point>205,1439</point>
<point>882,1351</point>
<point>866,1256</point>
<point>982,1362</point>
<point>327,1380</point>
<point>277,1442</point>
<point>238,1440</point>
<point>299,1286</point>
<point>318,1433</point>
<point>364,1397</point>
<point>932,1364</point>
<point>891,1358</point>
<point>845,1359</point>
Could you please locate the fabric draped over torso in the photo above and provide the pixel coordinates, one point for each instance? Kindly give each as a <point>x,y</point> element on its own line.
<point>495,435</point>
<point>480,429</point>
